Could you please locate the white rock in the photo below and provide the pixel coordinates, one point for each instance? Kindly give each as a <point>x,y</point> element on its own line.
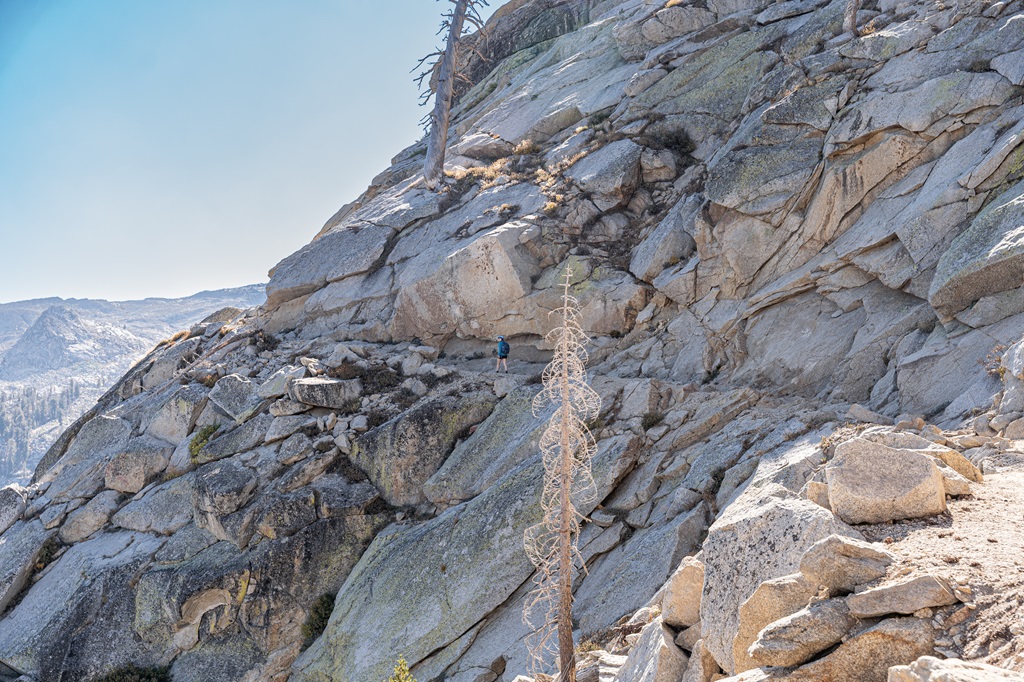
<point>654,657</point>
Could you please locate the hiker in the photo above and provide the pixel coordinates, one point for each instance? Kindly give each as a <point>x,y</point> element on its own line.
<point>503,349</point>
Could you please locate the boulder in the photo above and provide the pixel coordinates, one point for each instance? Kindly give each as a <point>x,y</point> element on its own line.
<point>12,506</point>
<point>277,383</point>
<point>508,437</point>
<point>868,655</point>
<point>164,509</point>
<point>469,290</point>
<point>842,563</point>
<point>18,551</point>
<point>176,417</point>
<point>872,483</point>
<point>610,174</point>
<point>338,497</point>
<point>654,657</point>
<point>669,243</point>
<point>237,397</point>
<point>284,515</point>
<point>341,253</point>
<point>906,596</point>
<point>402,454</point>
<point>680,607</point>
<point>702,666</point>
<point>88,519</point>
<point>222,488</point>
<point>138,465</point>
<point>760,536</point>
<point>931,669</point>
<point>283,427</point>
<point>772,601</point>
<point>335,394</point>
<point>985,259</point>
<point>79,473</point>
<point>795,639</point>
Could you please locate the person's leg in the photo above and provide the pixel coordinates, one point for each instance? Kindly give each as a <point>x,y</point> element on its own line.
<point>497,366</point>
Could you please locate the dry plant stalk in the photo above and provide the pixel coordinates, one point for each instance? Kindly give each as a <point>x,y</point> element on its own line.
<point>567,447</point>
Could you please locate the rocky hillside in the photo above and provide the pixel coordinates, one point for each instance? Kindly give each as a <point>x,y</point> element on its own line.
<point>798,254</point>
<point>57,356</point>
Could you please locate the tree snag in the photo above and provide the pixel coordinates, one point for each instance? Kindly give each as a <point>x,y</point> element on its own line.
<point>567,447</point>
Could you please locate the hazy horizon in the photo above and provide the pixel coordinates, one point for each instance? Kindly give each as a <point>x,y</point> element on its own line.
<point>152,150</point>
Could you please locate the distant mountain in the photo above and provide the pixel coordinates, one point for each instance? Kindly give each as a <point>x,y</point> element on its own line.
<point>58,355</point>
<point>61,339</point>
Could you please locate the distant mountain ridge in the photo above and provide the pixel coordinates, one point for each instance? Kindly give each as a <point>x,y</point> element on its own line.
<point>58,355</point>
<point>138,316</point>
<point>61,339</point>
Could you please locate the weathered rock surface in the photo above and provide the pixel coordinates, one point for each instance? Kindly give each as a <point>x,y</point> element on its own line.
<point>12,506</point>
<point>842,563</point>
<point>766,219</point>
<point>654,657</point>
<point>680,607</point>
<point>18,553</point>
<point>236,396</point>
<point>401,455</point>
<point>772,601</point>
<point>759,537</point>
<point>795,639</point>
<point>323,392</point>
<point>509,436</point>
<point>931,669</point>
<point>137,465</point>
<point>901,597</point>
<point>872,483</point>
<point>461,591</point>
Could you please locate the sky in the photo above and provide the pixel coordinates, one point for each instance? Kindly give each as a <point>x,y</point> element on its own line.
<point>165,147</point>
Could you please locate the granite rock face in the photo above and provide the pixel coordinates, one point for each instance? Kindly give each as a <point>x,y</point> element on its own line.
<point>771,227</point>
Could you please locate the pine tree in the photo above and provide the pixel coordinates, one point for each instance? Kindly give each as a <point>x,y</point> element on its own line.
<point>567,447</point>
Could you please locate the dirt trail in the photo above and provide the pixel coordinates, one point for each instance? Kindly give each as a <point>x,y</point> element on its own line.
<point>978,542</point>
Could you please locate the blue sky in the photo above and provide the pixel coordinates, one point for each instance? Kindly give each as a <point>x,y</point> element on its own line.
<point>163,147</point>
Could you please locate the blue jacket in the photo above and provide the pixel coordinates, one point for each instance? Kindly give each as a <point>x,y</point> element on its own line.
<point>503,349</point>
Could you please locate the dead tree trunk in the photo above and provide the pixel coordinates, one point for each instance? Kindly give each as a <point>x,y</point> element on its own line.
<point>433,165</point>
<point>567,447</point>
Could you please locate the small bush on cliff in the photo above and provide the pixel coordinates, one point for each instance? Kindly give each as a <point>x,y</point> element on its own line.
<point>133,673</point>
<point>651,419</point>
<point>316,621</point>
<point>200,440</point>
<point>401,672</point>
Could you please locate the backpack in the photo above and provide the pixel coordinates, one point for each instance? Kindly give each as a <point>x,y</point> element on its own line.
<point>503,348</point>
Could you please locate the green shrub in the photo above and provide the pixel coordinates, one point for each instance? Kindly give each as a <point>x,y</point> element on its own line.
<point>316,621</point>
<point>48,553</point>
<point>405,398</point>
<point>133,673</point>
<point>200,439</point>
<point>264,341</point>
<point>651,419</point>
<point>401,672</point>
